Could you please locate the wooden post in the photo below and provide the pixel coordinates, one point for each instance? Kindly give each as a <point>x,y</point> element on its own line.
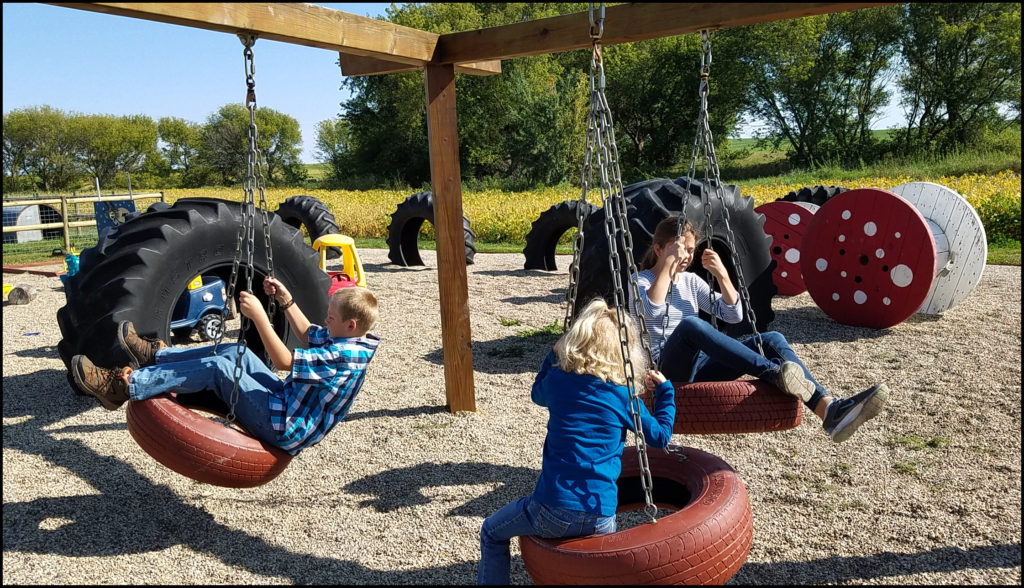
<point>443,140</point>
<point>67,227</point>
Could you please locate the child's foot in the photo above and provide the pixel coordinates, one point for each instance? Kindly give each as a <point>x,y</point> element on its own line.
<point>110,387</point>
<point>844,415</point>
<point>140,350</point>
<point>791,379</point>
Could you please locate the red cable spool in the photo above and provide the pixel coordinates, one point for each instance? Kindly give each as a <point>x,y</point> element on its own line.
<point>869,258</point>
<point>200,448</point>
<point>786,223</point>
<point>705,541</point>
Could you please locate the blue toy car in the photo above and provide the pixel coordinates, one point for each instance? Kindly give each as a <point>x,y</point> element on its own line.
<point>200,308</point>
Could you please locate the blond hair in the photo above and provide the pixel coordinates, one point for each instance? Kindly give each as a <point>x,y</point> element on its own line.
<point>356,303</point>
<point>591,345</point>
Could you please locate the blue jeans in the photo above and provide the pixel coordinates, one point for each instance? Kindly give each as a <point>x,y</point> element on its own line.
<point>697,352</point>
<point>191,370</point>
<point>526,516</point>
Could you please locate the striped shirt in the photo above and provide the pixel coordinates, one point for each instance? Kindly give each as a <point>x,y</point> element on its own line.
<point>688,294</point>
<point>319,392</point>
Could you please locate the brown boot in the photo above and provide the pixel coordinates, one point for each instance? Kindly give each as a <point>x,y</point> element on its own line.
<point>110,387</point>
<point>140,350</point>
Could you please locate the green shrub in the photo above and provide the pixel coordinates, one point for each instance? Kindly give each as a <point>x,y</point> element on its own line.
<point>1000,214</point>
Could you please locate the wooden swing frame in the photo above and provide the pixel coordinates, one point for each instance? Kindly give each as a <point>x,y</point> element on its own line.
<point>367,46</point>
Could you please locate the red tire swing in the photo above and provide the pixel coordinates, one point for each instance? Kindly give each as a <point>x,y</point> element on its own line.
<point>705,541</point>
<point>708,537</point>
<point>200,448</point>
<point>180,438</point>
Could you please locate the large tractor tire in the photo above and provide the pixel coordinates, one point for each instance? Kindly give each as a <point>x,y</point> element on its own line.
<point>545,232</point>
<point>404,230</point>
<point>817,195</point>
<point>137,271</point>
<point>647,203</point>
<point>310,213</point>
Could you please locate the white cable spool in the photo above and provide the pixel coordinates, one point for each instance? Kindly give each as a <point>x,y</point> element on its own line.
<point>960,244</point>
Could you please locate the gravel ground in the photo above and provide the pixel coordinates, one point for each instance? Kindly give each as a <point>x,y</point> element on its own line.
<point>927,493</point>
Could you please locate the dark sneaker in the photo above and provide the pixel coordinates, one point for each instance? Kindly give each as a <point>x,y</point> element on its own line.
<point>107,386</point>
<point>791,379</point>
<point>844,416</point>
<point>140,350</point>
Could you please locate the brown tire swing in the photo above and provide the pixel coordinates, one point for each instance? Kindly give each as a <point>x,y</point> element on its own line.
<point>708,537</point>
<point>166,428</point>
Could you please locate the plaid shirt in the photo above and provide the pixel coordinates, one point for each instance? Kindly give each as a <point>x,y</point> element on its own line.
<point>318,393</point>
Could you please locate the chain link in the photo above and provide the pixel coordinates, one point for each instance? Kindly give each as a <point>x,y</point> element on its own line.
<point>704,149</point>
<point>601,157</point>
<point>246,242</point>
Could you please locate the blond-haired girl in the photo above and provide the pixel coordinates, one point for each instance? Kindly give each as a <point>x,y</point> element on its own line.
<point>582,383</point>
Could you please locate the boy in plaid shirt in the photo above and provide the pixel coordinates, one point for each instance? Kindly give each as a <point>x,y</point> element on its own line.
<point>293,413</point>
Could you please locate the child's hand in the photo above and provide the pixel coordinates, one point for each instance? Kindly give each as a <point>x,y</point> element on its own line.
<point>249,305</point>
<point>273,287</point>
<point>652,379</point>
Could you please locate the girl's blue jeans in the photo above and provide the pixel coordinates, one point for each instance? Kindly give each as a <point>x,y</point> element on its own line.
<point>191,370</point>
<point>697,352</point>
<point>526,516</point>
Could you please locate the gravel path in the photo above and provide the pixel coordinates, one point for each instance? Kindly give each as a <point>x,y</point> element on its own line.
<point>927,493</point>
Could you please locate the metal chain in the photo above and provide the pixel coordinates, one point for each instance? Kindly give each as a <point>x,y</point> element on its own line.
<point>601,149</point>
<point>704,148</point>
<point>246,243</point>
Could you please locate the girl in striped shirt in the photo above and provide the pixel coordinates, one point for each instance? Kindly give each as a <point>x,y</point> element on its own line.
<point>689,349</point>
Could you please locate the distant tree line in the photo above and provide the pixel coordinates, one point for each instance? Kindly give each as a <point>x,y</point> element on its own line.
<point>817,84</point>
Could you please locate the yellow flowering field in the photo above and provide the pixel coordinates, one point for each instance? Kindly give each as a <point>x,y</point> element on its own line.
<point>497,216</point>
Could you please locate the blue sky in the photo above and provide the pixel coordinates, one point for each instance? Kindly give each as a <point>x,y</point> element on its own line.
<point>92,63</point>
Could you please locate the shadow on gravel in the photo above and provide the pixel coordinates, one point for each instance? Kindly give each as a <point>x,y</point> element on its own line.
<point>809,324</point>
<point>403,487</point>
<point>841,570</point>
<point>132,515</point>
<point>518,273</point>
<point>509,355</point>
<point>556,297</point>
<point>49,351</point>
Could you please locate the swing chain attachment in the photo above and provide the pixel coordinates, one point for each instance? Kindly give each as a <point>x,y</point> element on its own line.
<point>704,149</point>
<point>601,157</point>
<point>246,242</point>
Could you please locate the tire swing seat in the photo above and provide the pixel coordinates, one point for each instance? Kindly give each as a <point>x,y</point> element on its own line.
<point>705,541</point>
<point>731,407</point>
<point>176,435</point>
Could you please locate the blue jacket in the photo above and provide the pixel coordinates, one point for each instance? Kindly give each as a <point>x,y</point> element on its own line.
<point>587,424</point>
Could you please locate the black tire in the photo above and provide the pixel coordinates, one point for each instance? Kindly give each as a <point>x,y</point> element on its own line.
<point>545,232</point>
<point>817,195</point>
<point>404,230</point>
<point>309,212</point>
<point>138,269</point>
<point>647,203</point>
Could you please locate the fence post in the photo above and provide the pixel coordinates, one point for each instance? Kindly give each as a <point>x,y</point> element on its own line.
<point>67,227</point>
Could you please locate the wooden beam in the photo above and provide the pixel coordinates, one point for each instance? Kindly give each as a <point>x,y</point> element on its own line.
<point>624,23</point>
<point>308,25</point>
<point>355,65</point>
<point>445,177</point>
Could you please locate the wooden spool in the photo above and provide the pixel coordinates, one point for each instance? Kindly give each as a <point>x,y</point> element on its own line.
<point>871,258</point>
<point>960,244</point>
<point>786,222</point>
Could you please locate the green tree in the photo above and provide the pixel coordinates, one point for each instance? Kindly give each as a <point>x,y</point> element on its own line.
<point>962,63</point>
<point>183,142</point>
<point>225,144</point>
<point>108,146</point>
<point>52,158</point>
<point>19,141</point>
<point>519,125</point>
<point>333,146</point>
